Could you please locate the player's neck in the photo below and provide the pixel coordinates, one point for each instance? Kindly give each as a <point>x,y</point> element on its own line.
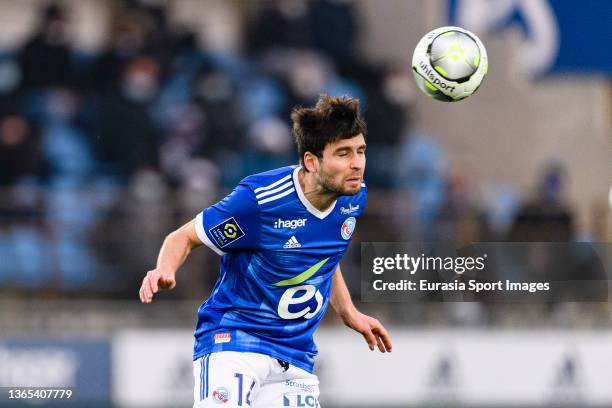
<point>320,199</point>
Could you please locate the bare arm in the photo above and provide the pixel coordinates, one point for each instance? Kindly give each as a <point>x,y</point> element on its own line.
<point>341,298</point>
<point>172,255</point>
<point>371,329</point>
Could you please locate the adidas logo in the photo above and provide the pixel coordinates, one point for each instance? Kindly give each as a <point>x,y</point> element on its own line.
<point>292,243</point>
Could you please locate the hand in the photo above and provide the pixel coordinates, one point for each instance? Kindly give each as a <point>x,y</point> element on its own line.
<point>153,281</point>
<point>371,329</point>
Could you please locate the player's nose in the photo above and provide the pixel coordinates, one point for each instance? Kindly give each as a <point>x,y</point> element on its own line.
<point>358,163</point>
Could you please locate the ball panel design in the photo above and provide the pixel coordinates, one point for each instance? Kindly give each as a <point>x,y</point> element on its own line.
<point>435,78</point>
<point>454,55</point>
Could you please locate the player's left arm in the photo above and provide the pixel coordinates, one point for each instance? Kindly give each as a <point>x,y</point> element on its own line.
<point>370,328</point>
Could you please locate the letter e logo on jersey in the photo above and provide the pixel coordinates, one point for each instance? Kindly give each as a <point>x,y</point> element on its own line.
<point>299,295</point>
<point>348,227</point>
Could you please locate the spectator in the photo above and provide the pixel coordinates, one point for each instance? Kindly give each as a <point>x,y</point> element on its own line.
<point>280,24</point>
<point>127,139</point>
<point>45,58</point>
<point>18,150</point>
<point>545,217</point>
<point>333,27</point>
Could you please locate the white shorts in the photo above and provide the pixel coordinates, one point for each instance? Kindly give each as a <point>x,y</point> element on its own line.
<point>236,379</point>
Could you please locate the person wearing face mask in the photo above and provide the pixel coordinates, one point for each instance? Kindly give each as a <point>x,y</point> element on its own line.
<point>126,139</point>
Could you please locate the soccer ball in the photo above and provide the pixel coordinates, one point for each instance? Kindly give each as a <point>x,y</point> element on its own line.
<point>449,63</point>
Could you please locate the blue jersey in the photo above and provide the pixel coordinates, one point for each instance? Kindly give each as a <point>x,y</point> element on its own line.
<point>278,257</point>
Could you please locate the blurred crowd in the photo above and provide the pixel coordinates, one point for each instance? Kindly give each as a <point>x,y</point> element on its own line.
<point>156,100</point>
<point>102,155</point>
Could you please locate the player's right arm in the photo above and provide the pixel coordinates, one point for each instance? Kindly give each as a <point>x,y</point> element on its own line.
<point>231,225</point>
<point>175,249</point>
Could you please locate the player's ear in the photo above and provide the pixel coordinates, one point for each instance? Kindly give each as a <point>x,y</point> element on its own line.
<point>310,162</point>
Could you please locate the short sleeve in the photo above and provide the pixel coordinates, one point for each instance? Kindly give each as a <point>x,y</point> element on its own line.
<point>232,224</point>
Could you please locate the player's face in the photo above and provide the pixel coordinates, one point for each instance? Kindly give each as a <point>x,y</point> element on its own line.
<point>341,169</point>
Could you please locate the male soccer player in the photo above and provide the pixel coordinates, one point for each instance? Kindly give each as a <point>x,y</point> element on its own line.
<point>281,235</point>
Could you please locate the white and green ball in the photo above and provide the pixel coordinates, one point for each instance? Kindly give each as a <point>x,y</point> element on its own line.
<point>449,63</point>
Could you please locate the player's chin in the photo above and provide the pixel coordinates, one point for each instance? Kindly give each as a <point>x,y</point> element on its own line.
<point>351,189</point>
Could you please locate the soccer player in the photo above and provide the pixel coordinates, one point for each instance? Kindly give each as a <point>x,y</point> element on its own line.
<point>281,235</point>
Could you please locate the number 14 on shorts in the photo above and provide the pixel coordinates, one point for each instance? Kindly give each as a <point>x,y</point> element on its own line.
<point>241,389</point>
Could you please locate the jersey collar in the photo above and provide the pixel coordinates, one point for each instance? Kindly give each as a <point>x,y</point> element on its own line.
<point>311,209</point>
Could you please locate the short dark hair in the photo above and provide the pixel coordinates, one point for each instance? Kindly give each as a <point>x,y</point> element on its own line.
<point>331,119</point>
